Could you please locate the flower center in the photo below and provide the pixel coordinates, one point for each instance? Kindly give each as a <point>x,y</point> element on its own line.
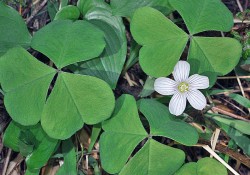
<point>183,87</point>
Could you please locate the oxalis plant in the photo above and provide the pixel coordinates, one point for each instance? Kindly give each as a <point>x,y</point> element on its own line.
<point>84,54</point>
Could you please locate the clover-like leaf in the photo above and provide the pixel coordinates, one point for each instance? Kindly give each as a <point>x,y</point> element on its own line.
<point>163,42</point>
<point>216,55</point>
<point>109,65</point>
<point>70,12</point>
<point>41,146</point>
<point>25,82</point>
<point>123,132</point>
<point>207,166</point>
<point>126,8</point>
<point>187,169</point>
<point>162,124</point>
<point>13,29</point>
<point>66,42</point>
<point>75,100</point>
<point>204,15</point>
<point>204,166</point>
<point>155,158</point>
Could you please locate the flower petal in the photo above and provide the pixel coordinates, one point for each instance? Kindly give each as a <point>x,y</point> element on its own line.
<point>177,103</point>
<point>181,71</point>
<point>198,82</point>
<point>165,86</point>
<point>196,99</point>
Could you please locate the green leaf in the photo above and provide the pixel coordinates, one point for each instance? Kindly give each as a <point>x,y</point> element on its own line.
<point>28,172</point>
<point>33,142</point>
<point>148,87</point>
<point>43,150</point>
<point>188,169</point>
<point>13,28</point>
<point>208,166</point>
<point>205,166</point>
<point>63,3</point>
<point>123,132</point>
<point>155,112</point>
<point>76,99</point>
<point>11,136</point>
<point>96,130</point>
<point>133,55</point>
<point>109,65</point>
<point>155,158</point>
<point>69,157</point>
<point>218,55</point>
<point>70,12</point>
<point>160,123</point>
<point>85,5</point>
<point>66,42</point>
<point>163,42</point>
<point>240,125</point>
<point>126,8</point>
<point>25,82</point>
<point>240,99</point>
<point>53,7</point>
<point>242,140</point>
<point>204,15</point>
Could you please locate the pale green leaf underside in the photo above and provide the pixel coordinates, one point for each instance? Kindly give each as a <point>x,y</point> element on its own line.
<point>126,8</point>
<point>25,82</point>
<point>163,42</point>
<point>155,158</point>
<point>13,29</point>
<point>161,123</point>
<point>123,132</point>
<point>109,65</point>
<point>70,12</point>
<point>66,42</point>
<point>204,15</point>
<point>218,55</point>
<point>86,5</point>
<point>76,99</point>
<point>205,166</point>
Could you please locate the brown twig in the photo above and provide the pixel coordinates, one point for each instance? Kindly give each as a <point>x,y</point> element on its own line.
<point>18,160</point>
<point>232,91</point>
<point>235,155</point>
<point>36,10</point>
<point>239,5</point>
<point>233,77</point>
<point>6,162</point>
<point>229,114</point>
<point>235,106</point>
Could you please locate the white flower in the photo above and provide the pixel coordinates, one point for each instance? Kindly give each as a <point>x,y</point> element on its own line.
<point>183,88</point>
